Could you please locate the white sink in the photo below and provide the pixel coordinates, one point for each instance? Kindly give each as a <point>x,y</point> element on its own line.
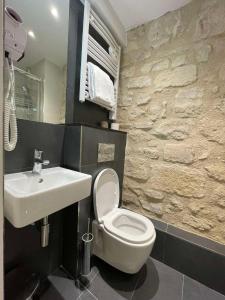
<point>30,197</point>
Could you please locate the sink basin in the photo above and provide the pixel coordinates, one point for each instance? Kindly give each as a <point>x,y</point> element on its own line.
<point>30,197</point>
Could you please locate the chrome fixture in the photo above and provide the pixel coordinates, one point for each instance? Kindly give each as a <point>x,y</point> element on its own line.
<point>44,232</point>
<point>39,162</point>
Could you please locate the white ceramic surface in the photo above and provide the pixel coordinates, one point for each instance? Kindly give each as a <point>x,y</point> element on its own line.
<point>106,193</point>
<point>30,197</point>
<point>122,238</point>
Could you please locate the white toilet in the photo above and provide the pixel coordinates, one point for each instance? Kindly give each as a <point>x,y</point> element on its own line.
<point>122,238</point>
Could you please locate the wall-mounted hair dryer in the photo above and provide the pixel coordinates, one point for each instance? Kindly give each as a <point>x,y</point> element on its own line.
<point>15,40</point>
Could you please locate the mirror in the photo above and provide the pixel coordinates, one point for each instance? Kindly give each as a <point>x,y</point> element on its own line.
<point>41,76</point>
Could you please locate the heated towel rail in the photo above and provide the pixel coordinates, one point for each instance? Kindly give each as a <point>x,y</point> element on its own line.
<point>106,57</point>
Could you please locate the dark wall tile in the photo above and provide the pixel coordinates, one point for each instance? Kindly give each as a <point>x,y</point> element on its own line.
<point>89,113</point>
<point>72,147</point>
<point>196,262</point>
<point>92,136</point>
<point>159,224</point>
<point>158,251</point>
<point>31,135</point>
<point>23,246</point>
<point>70,239</point>
<point>74,57</point>
<point>197,239</point>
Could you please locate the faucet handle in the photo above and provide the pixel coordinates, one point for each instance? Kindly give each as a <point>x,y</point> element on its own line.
<point>38,154</point>
<point>46,162</point>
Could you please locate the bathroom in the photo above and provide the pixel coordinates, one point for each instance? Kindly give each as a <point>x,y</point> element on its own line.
<point>112,147</point>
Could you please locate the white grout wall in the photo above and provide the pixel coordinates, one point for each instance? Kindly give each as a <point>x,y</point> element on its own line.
<point>1,149</point>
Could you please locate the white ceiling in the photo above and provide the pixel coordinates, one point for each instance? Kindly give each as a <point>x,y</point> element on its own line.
<point>51,34</point>
<point>136,12</point>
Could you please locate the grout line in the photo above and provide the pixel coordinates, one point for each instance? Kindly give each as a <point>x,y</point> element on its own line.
<point>86,289</point>
<point>96,274</point>
<point>182,293</point>
<point>167,225</point>
<point>135,286</point>
<point>92,294</point>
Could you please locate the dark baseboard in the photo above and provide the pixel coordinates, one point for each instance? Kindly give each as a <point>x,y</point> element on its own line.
<point>195,256</point>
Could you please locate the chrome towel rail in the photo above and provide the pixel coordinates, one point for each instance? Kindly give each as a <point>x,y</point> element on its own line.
<point>107,59</point>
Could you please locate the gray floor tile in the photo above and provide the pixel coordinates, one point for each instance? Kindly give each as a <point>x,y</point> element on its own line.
<point>158,282</point>
<point>51,294</point>
<point>87,295</point>
<point>65,287</point>
<point>112,284</point>
<point>62,287</point>
<point>194,290</point>
<point>155,281</point>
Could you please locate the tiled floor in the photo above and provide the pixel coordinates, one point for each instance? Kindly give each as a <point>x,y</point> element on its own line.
<point>155,281</point>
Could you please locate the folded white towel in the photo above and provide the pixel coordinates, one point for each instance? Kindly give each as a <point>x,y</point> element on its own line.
<point>101,89</point>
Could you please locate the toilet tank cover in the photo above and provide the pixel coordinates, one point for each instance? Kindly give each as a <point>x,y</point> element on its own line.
<point>106,193</point>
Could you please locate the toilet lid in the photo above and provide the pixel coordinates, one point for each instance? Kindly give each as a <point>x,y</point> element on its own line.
<point>106,193</point>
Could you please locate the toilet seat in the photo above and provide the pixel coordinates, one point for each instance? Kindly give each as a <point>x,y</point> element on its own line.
<point>106,193</point>
<point>129,226</point>
<point>122,223</point>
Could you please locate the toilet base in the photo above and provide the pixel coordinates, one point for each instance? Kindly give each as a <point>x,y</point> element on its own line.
<point>124,256</point>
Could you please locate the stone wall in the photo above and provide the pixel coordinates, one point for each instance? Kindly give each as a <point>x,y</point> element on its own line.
<point>172,104</point>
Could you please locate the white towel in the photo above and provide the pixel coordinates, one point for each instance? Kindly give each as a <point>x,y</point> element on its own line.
<point>101,89</point>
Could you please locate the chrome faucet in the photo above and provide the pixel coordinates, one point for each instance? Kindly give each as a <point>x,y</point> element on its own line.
<point>39,162</point>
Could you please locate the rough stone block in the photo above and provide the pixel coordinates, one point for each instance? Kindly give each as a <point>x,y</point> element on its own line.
<point>178,153</point>
<point>218,196</point>
<point>211,20</point>
<point>180,76</point>
<point>175,204</point>
<point>188,102</point>
<point>182,181</point>
<point>198,223</point>
<point>137,168</point>
<point>172,129</point>
<point>178,61</point>
<point>154,195</point>
<point>160,31</point>
<point>129,197</point>
<point>143,125</point>
<point>160,65</point>
<point>216,171</point>
<point>203,52</point>
<point>151,152</point>
<point>155,208</point>
<point>127,72</point>
<point>213,128</point>
<point>139,82</point>
<point>143,99</point>
<point>125,101</point>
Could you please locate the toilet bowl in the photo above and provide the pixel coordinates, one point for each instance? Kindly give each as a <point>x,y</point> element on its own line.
<point>122,238</point>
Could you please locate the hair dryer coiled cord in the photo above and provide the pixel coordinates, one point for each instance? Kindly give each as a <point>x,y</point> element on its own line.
<point>10,123</point>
